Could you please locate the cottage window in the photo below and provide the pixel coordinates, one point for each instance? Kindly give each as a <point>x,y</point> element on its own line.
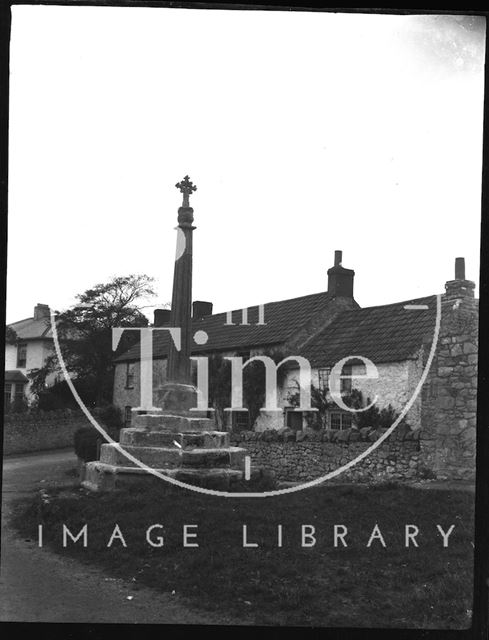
<point>345,385</point>
<point>22,355</point>
<point>340,420</point>
<point>130,375</point>
<point>323,378</point>
<point>19,391</point>
<point>127,416</point>
<point>7,394</point>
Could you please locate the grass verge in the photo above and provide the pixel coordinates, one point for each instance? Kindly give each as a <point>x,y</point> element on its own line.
<point>428,586</point>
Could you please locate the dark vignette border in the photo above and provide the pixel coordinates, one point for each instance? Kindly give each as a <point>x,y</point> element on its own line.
<point>480,625</point>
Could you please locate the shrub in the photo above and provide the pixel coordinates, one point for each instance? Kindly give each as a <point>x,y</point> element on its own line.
<point>111,417</point>
<point>19,405</point>
<point>86,442</point>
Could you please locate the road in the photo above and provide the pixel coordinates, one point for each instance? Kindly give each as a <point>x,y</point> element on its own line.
<point>37,585</point>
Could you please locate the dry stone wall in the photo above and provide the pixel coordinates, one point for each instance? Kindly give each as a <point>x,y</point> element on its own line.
<point>304,456</point>
<point>39,431</point>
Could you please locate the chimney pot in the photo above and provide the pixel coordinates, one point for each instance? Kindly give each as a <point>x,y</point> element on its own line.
<point>340,280</point>
<point>459,268</point>
<point>201,309</point>
<point>41,311</point>
<point>161,317</point>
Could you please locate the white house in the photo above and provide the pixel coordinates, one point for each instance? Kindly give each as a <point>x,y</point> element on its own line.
<point>33,345</point>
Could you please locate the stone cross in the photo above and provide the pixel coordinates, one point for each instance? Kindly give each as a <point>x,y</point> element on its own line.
<point>186,187</point>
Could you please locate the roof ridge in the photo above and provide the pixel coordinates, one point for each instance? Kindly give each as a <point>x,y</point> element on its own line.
<point>222,313</point>
<point>390,304</point>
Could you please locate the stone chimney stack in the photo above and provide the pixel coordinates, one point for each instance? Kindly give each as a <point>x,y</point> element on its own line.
<point>201,309</point>
<point>460,287</point>
<point>161,317</point>
<point>41,311</point>
<point>340,280</point>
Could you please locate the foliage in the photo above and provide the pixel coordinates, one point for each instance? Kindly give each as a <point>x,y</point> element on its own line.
<point>254,389</point>
<point>253,384</point>
<point>373,416</point>
<point>320,400</point>
<point>59,395</point>
<point>11,336</point>
<point>19,405</point>
<point>111,417</point>
<point>85,334</point>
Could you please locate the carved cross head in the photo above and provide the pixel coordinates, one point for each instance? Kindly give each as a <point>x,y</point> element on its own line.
<point>186,186</point>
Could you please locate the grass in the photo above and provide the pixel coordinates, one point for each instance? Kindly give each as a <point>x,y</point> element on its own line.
<point>425,587</point>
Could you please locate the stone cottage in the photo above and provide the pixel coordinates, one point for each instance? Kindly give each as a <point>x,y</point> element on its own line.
<point>329,327</point>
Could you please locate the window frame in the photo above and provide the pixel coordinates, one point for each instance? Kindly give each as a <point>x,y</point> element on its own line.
<point>343,416</point>
<point>129,384</point>
<point>323,378</point>
<point>7,400</point>
<point>346,380</point>
<point>19,395</point>
<point>22,348</point>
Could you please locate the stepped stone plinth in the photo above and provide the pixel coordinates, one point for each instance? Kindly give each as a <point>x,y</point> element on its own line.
<point>176,444</point>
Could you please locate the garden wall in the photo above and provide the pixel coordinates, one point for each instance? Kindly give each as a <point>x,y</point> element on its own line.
<point>307,456</point>
<point>26,432</point>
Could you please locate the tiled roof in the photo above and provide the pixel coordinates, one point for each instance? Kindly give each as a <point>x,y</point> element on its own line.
<point>15,376</point>
<point>388,333</point>
<point>29,328</point>
<point>282,319</point>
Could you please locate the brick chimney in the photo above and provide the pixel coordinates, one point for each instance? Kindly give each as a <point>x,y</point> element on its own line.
<point>41,311</point>
<point>161,317</point>
<point>460,287</point>
<point>201,309</point>
<point>340,280</point>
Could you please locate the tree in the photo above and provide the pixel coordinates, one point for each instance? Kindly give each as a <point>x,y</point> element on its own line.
<point>320,400</point>
<point>11,336</point>
<point>253,385</point>
<point>85,335</point>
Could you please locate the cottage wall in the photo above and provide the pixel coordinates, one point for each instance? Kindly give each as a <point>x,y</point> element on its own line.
<point>131,397</point>
<point>395,385</point>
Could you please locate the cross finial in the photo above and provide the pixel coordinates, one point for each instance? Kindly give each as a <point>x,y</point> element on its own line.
<point>186,187</point>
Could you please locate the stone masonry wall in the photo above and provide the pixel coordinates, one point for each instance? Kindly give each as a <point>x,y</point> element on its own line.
<point>304,456</point>
<point>449,397</point>
<point>26,432</point>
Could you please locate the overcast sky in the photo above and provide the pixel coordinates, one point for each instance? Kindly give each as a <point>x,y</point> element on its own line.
<point>304,132</point>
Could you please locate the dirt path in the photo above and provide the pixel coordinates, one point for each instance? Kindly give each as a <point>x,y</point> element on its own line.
<point>37,585</point>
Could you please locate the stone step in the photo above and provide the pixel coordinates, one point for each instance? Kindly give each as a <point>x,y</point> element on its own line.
<point>99,476</point>
<point>154,457</point>
<point>143,437</point>
<point>161,457</point>
<point>232,457</point>
<point>172,423</point>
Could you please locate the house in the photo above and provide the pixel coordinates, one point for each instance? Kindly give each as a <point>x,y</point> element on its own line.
<point>325,328</point>
<point>33,344</point>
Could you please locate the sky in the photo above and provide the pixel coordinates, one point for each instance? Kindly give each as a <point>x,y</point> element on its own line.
<point>304,133</point>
